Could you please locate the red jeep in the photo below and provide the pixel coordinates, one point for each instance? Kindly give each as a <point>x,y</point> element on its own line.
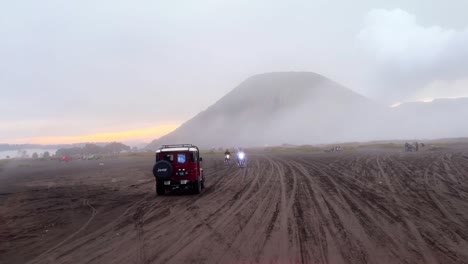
<point>178,168</point>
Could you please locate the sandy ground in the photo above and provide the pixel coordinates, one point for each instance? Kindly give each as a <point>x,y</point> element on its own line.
<point>287,207</point>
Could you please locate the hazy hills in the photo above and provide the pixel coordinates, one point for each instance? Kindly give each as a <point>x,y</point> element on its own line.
<point>441,118</point>
<point>275,108</point>
<point>5,147</point>
<point>307,108</point>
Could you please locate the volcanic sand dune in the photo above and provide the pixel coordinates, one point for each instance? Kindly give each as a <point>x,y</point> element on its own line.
<point>292,207</point>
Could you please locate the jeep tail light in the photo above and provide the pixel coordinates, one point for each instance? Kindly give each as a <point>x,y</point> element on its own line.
<point>182,172</point>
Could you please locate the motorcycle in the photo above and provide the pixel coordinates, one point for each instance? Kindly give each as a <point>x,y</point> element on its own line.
<point>241,160</point>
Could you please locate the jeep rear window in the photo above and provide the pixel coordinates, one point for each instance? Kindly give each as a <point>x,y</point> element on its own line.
<point>181,158</point>
<point>168,157</point>
<point>193,157</point>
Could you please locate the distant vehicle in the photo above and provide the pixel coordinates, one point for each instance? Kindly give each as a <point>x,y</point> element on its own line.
<point>412,147</point>
<point>91,157</point>
<point>178,167</point>
<point>334,149</point>
<point>65,159</point>
<point>227,157</point>
<point>241,159</point>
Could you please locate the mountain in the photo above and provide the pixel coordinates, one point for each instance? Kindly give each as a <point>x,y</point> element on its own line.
<point>284,107</point>
<point>307,108</point>
<point>441,118</point>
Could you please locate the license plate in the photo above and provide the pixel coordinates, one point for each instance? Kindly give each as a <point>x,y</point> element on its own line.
<point>167,183</point>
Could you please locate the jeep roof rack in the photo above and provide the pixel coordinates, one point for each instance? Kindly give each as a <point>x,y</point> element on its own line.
<point>179,146</point>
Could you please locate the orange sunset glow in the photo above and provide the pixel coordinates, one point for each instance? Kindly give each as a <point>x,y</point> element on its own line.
<point>143,135</point>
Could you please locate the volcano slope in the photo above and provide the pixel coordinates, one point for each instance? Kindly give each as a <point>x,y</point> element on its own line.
<point>282,107</point>
<point>369,206</point>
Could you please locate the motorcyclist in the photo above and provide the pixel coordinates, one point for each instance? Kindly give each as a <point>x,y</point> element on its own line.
<point>227,155</point>
<point>240,157</point>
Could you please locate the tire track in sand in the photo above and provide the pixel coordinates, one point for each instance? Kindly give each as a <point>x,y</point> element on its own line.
<point>425,253</point>
<point>50,250</point>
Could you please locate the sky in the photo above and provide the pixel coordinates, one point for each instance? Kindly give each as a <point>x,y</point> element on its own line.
<point>133,71</point>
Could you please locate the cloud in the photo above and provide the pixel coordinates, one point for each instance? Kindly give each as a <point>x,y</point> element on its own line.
<point>406,56</point>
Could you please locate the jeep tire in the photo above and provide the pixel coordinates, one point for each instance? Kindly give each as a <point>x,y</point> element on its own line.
<point>160,189</point>
<point>162,170</point>
<point>197,187</point>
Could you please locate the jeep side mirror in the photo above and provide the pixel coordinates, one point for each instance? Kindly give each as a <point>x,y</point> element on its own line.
<point>201,159</point>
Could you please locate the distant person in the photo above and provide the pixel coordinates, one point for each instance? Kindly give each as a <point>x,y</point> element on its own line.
<point>240,157</point>
<point>227,156</point>
<point>416,146</point>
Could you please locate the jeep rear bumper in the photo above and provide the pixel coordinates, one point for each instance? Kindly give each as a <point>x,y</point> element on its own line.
<point>179,184</point>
